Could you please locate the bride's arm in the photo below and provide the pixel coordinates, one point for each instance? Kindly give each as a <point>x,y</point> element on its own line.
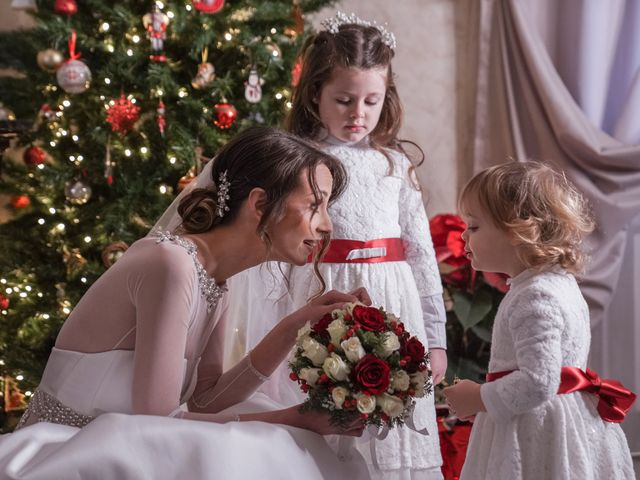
<point>216,391</point>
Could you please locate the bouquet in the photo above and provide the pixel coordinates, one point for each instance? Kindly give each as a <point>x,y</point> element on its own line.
<point>360,361</point>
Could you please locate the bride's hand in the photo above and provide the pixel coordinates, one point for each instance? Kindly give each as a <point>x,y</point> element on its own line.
<point>319,422</point>
<point>332,300</point>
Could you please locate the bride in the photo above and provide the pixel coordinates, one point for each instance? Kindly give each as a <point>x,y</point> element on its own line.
<point>135,386</point>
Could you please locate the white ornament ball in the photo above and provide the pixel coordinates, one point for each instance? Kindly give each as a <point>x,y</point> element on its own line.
<point>77,192</point>
<point>74,76</point>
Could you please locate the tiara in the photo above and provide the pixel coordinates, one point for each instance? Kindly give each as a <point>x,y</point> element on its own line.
<point>332,25</point>
<point>223,194</point>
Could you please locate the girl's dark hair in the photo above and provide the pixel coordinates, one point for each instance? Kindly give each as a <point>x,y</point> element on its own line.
<point>265,158</point>
<point>352,46</point>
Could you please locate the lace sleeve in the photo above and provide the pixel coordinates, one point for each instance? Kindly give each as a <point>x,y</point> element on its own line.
<point>421,256</point>
<point>535,325</point>
<point>216,390</point>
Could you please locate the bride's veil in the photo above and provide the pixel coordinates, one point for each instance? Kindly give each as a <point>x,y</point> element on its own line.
<point>170,219</point>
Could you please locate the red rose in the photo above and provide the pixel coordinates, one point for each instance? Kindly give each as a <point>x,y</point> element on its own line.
<point>414,349</point>
<point>321,325</point>
<point>372,375</point>
<point>369,318</point>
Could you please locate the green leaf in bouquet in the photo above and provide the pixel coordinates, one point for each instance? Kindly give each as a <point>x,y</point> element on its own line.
<point>472,311</point>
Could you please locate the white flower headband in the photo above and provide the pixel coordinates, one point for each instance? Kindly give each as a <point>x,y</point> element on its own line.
<point>332,25</point>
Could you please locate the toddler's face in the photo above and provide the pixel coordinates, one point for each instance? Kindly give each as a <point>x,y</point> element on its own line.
<point>351,101</point>
<point>489,248</point>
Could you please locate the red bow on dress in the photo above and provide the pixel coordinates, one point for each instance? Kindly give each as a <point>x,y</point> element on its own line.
<point>615,400</point>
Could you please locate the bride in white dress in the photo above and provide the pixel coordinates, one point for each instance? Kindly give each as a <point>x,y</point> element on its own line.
<point>135,386</point>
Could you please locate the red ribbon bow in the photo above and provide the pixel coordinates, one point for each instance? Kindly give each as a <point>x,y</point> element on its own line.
<point>615,400</point>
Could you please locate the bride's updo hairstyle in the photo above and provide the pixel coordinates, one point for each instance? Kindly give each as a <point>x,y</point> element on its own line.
<point>265,158</point>
<point>541,210</point>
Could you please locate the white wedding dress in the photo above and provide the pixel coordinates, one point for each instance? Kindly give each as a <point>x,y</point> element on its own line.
<point>80,423</point>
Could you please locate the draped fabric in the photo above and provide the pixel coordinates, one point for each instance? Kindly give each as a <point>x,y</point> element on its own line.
<point>521,109</point>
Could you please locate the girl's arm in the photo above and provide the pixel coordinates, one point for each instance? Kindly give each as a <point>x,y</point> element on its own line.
<point>535,322</point>
<point>421,256</point>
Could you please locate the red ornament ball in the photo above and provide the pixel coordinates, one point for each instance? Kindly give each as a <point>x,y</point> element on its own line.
<point>4,302</point>
<point>65,7</point>
<point>209,6</point>
<point>225,115</point>
<point>122,115</point>
<point>20,201</point>
<point>34,156</point>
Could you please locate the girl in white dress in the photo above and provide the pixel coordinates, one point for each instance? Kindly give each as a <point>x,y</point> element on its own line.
<point>147,339</point>
<point>542,414</point>
<point>347,102</point>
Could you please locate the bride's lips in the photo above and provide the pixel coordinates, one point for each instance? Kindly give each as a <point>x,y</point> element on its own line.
<point>355,128</point>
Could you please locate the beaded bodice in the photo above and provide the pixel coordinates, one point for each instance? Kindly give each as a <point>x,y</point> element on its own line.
<point>211,291</point>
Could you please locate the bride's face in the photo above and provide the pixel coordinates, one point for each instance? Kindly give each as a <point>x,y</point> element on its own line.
<point>306,220</point>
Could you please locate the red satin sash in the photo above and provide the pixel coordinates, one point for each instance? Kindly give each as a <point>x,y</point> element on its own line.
<point>339,250</point>
<point>614,399</point>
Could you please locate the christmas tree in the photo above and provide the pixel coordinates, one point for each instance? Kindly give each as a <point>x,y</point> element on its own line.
<point>124,100</point>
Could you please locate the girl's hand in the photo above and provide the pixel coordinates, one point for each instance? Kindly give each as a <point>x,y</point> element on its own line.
<point>464,399</point>
<point>438,359</point>
<point>319,423</point>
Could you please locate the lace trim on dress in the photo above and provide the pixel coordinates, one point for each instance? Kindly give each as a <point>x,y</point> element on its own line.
<point>47,408</point>
<point>211,291</point>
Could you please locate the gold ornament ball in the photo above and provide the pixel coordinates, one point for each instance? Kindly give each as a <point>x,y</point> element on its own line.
<point>49,60</point>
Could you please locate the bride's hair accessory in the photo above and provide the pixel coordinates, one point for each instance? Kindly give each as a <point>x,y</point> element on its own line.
<point>223,194</point>
<point>332,25</point>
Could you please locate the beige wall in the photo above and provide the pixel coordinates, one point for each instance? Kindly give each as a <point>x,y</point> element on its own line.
<point>425,67</point>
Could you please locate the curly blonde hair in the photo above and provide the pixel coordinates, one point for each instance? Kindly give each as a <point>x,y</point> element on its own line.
<point>543,212</point>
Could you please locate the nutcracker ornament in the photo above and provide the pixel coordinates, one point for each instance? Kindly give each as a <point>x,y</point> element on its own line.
<point>206,72</point>
<point>156,25</point>
<point>253,86</point>
<point>73,75</point>
<point>209,6</point>
<point>160,120</point>
<point>225,114</point>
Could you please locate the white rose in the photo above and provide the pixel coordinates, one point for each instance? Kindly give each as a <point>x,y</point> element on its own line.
<point>303,333</point>
<point>365,403</point>
<point>389,344</point>
<point>418,381</point>
<point>310,375</point>
<point>400,380</point>
<point>336,330</point>
<point>335,367</point>
<point>339,395</point>
<point>314,351</point>
<point>353,349</point>
<point>391,405</point>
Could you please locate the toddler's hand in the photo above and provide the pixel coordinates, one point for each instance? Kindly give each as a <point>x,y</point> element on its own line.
<point>464,399</point>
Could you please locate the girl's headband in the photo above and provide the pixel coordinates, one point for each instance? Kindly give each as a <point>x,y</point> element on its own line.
<point>332,25</point>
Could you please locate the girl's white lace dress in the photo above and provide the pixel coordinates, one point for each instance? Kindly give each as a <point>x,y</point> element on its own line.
<point>375,205</point>
<point>529,431</point>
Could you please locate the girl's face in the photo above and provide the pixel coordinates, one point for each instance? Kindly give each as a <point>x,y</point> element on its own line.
<point>489,248</point>
<point>295,236</point>
<point>351,101</point>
